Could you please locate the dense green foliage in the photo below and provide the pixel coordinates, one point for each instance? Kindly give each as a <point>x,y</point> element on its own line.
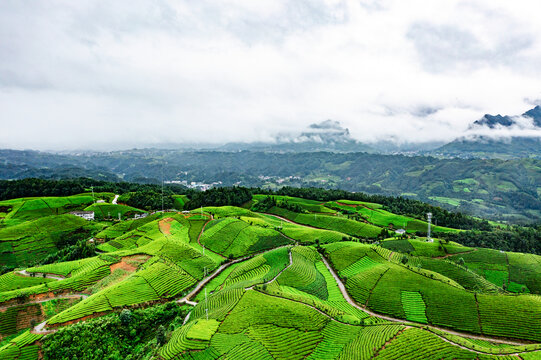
<point>514,238</point>
<point>147,200</point>
<point>126,335</point>
<point>235,196</point>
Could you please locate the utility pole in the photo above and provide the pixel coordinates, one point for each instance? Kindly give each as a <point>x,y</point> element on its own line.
<point>203,250</point>
<point>206,305</point>
<point>92,188</point>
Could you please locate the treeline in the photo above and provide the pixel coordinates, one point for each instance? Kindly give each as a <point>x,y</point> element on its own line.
<point>148,200</point>
<point>513,238</point>
<point>235,196</point>
<point>10,189</point>
<point>396,205</point>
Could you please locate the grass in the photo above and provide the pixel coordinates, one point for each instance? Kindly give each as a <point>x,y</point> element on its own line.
<point>112,211</point>
<point>305,204</point>
<point>25,209</point>
<point>14,281</point>
<point>386,288</point>
<point>379,217</point>
<point>414,306</point>
<point>236,238</point>
<point>334,223</point>
<point>22,347</point>
<point>445,200</point>
<point>24,243</point>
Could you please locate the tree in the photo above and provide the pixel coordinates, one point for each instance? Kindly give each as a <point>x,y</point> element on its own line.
<point>160,335</point>
<point>404,260</point>
<point>461,261</point>
<point>125,317</point>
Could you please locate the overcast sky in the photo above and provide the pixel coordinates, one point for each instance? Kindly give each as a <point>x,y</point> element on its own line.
<point>112,74</point>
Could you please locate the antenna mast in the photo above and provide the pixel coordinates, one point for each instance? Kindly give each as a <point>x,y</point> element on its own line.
<point>429,218</point>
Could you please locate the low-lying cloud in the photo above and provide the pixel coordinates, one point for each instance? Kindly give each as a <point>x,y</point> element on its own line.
<point>101,74</point>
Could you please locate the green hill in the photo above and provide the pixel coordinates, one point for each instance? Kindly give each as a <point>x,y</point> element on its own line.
<point>232,283</point>
<point>26,242</point>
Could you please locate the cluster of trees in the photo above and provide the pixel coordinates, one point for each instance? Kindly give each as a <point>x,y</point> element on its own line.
<point>131,334</point>
<point>265,204</point>
<point>526,239</point>
<point>269,202</point>
<point>10,189</point>
<point>38,187</point>
<point>80,250</point>
<point>235,196</point>
<point>148,200</point>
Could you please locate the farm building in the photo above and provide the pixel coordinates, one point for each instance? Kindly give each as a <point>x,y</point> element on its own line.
<point>400,231</point>
<point>87,215</point>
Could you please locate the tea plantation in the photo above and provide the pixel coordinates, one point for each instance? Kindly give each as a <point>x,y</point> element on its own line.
<point>283,278</point>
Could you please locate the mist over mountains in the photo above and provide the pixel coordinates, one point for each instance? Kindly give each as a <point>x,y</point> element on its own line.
<point>500,137</point>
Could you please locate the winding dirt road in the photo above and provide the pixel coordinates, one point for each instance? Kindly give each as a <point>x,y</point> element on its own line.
<point>402,321</point>
<point>38,275</point>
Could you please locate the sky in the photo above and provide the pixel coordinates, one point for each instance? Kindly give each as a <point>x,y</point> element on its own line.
<point>129,73</point>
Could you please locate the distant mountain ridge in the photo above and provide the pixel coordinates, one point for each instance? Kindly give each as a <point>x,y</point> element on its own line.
<point>492,121</point>
<point>500,136</point>
<point>328,135</point>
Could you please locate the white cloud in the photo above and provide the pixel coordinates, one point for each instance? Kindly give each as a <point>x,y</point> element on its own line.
<point>128,73</point>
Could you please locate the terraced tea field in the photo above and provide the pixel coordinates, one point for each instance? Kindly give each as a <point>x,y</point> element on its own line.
<point>274,285</point>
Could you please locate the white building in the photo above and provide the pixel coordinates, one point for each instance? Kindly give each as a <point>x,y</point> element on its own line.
<point>87,215</point>
<point>400,231</point>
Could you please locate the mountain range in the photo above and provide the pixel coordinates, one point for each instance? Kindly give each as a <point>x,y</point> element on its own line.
<point>497,136</point>
<point>492,136</point>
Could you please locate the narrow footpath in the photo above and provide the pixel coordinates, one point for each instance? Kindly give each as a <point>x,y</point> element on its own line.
<point>40,275</point>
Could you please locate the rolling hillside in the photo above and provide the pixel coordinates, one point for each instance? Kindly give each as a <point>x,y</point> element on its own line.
<point>230,282</point>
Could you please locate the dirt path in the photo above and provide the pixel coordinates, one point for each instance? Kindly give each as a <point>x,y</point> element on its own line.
<point>39,275</point>
<point>448,255</point>
<point>276,277</point>
<point>292,222</point>
<point>389,318</point>
<point>201,234</point>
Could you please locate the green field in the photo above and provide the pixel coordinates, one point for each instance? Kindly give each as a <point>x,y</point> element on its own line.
<point>274,294</point>
<point>24,243</point>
